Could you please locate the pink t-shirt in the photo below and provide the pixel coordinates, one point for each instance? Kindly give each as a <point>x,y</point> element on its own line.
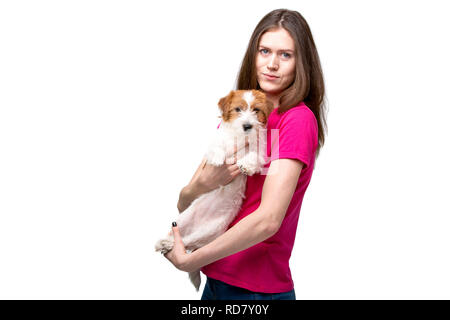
<point>265,266</point>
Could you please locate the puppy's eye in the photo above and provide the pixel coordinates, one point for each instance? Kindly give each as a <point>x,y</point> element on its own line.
<point>237,109</point>
<point>256,110</point>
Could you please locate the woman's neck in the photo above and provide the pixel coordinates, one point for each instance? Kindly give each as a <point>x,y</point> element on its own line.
<point>274,98</point>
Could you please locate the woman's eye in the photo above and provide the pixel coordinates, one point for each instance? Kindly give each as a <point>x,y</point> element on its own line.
<point>286,55</point>
<point>264,51</point>
<point>237,109</point>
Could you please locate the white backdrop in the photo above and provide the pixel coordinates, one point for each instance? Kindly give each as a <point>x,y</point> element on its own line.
<point>105,112</point>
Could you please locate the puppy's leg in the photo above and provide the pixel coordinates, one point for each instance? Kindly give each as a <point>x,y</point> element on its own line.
<point>216,156</point>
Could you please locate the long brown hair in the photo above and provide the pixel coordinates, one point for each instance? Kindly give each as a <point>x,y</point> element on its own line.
<point>308,84</point>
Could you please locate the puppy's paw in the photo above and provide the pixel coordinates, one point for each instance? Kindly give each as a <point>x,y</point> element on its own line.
<point>250,170</point>
<point>262,160</point>
<point>164,245</point>
<point>249,164</point>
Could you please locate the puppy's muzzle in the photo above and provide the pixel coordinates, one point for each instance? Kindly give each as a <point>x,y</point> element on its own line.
<point>247,126</point>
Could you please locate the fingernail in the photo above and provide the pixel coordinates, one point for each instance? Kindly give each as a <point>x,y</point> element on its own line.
<point>174,224</point>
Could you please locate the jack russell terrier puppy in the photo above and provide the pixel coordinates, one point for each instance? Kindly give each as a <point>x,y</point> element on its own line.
<point>244,116</point>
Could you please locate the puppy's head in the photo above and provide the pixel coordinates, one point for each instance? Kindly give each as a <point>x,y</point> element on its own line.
<point>245,110</point>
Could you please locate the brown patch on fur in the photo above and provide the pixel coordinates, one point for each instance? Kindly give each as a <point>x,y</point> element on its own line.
<point>225,101</point>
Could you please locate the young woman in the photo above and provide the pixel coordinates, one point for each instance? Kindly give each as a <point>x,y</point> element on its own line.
<point>251,259</point>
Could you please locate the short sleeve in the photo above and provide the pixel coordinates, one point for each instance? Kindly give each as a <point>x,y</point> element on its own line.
<point>297,136</point>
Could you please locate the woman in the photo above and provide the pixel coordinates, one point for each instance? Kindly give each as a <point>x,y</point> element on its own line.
<point>251,259</point>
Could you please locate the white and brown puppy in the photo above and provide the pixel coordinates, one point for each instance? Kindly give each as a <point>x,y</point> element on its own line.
<point>244,113</point>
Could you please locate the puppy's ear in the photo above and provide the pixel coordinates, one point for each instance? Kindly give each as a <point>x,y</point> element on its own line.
<point>266,106</point>
<point>225,101</point>
<point>266,110</point>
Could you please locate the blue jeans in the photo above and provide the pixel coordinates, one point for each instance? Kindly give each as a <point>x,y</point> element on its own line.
<point>218,290</point>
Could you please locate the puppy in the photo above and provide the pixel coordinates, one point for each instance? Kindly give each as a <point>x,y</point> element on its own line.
<point>244,115</point>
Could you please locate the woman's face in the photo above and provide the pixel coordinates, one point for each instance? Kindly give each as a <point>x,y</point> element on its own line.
<point>275,61</point>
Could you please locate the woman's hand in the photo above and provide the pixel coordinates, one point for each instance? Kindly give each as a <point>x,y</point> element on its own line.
<point>207,178</point>
<point>178,256</point>
<point>211,177</point>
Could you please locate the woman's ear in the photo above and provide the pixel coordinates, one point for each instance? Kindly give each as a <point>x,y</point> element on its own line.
<point>225,101</point>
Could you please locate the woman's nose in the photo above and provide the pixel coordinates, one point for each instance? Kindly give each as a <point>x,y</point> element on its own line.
<point>273,63</point>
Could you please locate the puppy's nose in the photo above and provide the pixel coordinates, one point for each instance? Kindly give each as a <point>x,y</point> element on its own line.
<point>247,126</point>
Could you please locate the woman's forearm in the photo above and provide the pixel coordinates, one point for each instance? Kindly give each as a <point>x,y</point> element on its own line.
<point>252,229</point>
<point>188,194</point>
<point>206,178</point>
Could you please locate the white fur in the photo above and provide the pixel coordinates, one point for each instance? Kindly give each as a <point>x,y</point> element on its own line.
<point>248,97</point>
<point>209,215</point>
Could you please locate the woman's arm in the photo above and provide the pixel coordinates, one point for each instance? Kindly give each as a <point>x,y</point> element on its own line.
<point>192,191</point>
<point>207,178</point>
<point>261,224</point>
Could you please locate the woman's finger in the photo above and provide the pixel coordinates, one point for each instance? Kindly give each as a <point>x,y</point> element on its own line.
<point>236,173</point>
<point>202,165</point>
<point>177,236</point>
<point>178,256</point>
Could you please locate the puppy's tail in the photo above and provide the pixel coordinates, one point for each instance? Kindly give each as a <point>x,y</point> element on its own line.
<point>195,279</point>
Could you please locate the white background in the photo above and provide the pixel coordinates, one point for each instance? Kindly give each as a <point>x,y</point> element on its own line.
<point>105,112</point>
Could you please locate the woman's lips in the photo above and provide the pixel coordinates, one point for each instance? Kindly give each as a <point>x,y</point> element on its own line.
<point>270,77</point>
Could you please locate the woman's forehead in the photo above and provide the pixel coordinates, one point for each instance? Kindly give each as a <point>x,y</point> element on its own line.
<point>278,39</point>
